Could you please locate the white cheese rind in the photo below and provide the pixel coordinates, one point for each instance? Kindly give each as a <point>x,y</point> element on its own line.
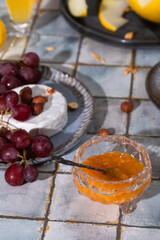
<point>53,118</point>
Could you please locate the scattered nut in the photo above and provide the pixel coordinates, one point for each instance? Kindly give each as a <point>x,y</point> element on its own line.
<point>127,107</point>
<point>37,108</point>
<point>129,35</point>
<point>26,90</point>
<point>26,98</point>
<point>40,99</point>
<point>50,91</point>
<point>103,132</point>
<point>73,105</point>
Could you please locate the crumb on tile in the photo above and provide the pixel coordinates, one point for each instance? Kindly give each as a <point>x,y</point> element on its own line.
<point>50,48</point>
<point>96,56</point>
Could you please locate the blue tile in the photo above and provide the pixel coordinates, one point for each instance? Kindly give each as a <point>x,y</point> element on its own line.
<point>66,49</point>
<point>28,200</point>
<point>139,84</point>
<point>145,119</point>
<point>18,229</point>
<point>78,231</point>
<point>147,57</point>
<point>53,23</point>
<point>105,81</point>
<point>107,114</point>
<point>108,55</point>
<point>152,146</point>
<point>139,233</point>
<point>146,213</point>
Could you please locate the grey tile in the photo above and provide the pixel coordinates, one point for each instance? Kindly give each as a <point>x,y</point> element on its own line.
<point>152,147</point>
<point>105,81</point>
<point>70,155</point>
<point>147,57</point>
<point>107,114</point>
<point>18,229</point>
<point>145,119</point>
<point>28,200</point>
<point>68,204</point>
<point>67,68</point>
<point>53,23</point>
<point>78,231</point>
<point>139,84</point>
<point>146,213</point>
<point>139,233</point>
<point>108,55</point>
<point>66,49</point>
<point>50,4</point>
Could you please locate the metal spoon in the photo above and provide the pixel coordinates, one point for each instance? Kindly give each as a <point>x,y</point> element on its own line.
<point>68,162</point>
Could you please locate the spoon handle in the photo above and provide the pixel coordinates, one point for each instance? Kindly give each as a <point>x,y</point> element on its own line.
<point>68,162</point>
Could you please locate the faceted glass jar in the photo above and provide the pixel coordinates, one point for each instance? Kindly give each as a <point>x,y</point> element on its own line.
<point>112,192</point>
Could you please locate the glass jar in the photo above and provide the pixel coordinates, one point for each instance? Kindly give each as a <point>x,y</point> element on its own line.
<point>112,192</point>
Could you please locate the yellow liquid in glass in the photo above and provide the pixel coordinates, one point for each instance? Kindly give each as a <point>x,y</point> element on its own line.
<point>20,10</point>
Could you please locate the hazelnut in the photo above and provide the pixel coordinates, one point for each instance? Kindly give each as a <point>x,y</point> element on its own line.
<point>127,107</point>
<point>103,132</point>
<point>40,99</point>
<point>37,108</point>
<point>73,105</point>
<point>26,98</point>
<point>50,91</point>
<point>26,90</point>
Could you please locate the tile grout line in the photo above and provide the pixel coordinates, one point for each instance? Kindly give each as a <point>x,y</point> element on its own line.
<point>78,54</point>
<point>130,92</point>
<point>49,202</point>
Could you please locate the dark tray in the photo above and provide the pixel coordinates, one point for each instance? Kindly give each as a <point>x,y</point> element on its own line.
<point>146,34</point>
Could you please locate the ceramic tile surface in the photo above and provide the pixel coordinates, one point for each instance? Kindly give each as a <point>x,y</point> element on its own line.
<point>51,207</point>
<point>79,232</point>
<point>68,204</point>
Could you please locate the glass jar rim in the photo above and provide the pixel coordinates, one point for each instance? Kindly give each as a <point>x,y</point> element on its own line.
<point>147,168</point>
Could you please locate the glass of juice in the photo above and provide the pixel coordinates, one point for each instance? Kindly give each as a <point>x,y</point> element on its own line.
<point>20,12</point>
<point>128,171</point>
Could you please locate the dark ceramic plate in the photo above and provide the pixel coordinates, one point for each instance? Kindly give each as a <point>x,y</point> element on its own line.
<point>78,120</point>
<point>153,84</point>
<point>146,34</point>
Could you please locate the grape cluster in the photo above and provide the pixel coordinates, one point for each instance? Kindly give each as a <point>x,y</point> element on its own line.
<point>15,146</point>
<point>13,74</point>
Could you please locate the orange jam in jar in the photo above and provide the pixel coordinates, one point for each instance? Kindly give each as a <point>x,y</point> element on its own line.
<point>126,177</point>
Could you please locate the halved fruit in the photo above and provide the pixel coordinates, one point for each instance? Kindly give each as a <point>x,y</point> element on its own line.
<point>2,33</point>
<point>77,8</point>
<point>110,14</point>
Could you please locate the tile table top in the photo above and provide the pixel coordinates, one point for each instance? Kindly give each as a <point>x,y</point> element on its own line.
<point>51,207</point>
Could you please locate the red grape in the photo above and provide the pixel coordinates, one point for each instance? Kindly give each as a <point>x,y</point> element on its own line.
<point>37,74</point>
<point>21,112</point>
<point>27,75</point>
<point>9,153</point>
<point>2,143</point>
<point>9,68</point>
<point>8,135</point>
<point>42,146</point>
<point>10,81</point>
<point>11,99</point>
<point>3,89</point>
<point>30,173</point>
<point>21,139</point>
<point>2,104</point>
<point>14,175</point>
<point>31,59</point>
